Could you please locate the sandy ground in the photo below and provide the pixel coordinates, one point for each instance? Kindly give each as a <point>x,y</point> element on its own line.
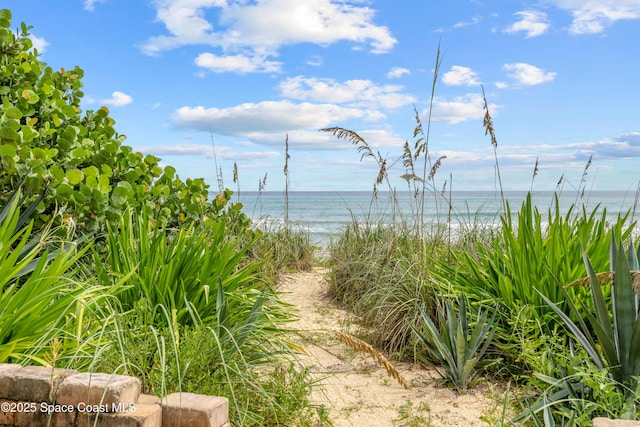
<point>355,390</point>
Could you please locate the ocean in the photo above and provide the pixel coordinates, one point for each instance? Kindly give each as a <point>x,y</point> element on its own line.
<point>324,213</point>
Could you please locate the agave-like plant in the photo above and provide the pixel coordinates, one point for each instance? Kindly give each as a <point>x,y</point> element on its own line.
<point>457,346</point>
<point>614,343</point>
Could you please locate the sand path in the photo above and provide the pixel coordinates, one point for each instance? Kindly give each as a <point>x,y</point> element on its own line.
<point>354,389</point>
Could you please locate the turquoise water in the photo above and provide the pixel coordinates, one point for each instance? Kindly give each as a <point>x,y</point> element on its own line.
<point>323,214</point>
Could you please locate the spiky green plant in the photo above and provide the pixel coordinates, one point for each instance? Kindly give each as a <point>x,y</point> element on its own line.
<point>524,260</point>
<point>178,269</point>
<point>37,297</point>
<point>458,345</point>
<point>611,338</point>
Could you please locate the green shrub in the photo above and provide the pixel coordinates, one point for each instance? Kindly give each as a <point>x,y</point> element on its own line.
<point>202,359</point>
<point>610,336</point>
<point>179,269</point>
<point>193,314</point>
<point>525,262</point>
<point>600,376</point>
<point>45,141</point>
<point>281,249</point>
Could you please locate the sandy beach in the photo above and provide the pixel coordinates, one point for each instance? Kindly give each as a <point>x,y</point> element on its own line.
<point>357,391</point>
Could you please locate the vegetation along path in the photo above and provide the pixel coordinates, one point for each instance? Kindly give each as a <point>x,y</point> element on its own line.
<point>356,389</point>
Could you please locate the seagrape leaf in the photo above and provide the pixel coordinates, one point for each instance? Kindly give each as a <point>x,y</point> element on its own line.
<point>7,150</point>
<point>121,193</point>
<point>57,172</point>
<point>30,96</point>
<point>75,176</point>
<point>13,113</point>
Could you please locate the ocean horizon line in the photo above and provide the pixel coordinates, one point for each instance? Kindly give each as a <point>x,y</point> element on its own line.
<point>457,192</point>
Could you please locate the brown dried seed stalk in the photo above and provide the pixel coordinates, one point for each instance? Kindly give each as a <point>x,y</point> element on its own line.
<point>435,167</point>
<point>488,122</point>
<point>411,177</point>
<point>407,156</point>
<point>363,347</point>
<point>383,169</point>
<point>608,276</point>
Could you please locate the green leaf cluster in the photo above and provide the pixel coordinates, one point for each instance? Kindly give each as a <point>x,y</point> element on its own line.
<point>611,337</point>
<point>606,382</point>
<point>180,269</point>
<point>524,263</point>
<point>46,141</point>
<point>37,296</point>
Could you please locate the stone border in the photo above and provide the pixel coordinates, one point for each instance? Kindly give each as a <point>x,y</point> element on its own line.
<point>41,396</point>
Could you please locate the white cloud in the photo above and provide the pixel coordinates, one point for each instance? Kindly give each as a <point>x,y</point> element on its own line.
<point>91,4</point>
<point>236,63</point>
<point>253,120</point>
<point>527,74</point>
<point>397,72</point>
<point>378,138</point>
<point>315,61</point>
<point>502,85</point>
<point>532,22</point>
<point>459,76</point>
<point>118,99</point>
<point>476,19</point>
<point>315,140</point>
<point>222,152</point>
<point>621,147</point>
<point>351,92</point>
<point>624,146</point>
<point>461,24</point>
<point>593,16</point>
<point>39,43</point>
<point>267,25</point>
<point>459,109</point>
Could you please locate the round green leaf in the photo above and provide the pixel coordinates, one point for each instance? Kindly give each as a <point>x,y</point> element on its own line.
<point>121,193</point>
<point>57,172</point>
<point>30,96</point>
<point>64,190</point>
<point>5,14</point>
<point>91,171</point>
<point>74,176</point>
<point>13,113</point>
<point>107,170</point>
<point>7,150</point>
<point>103,181</point>
<point>8,134</point>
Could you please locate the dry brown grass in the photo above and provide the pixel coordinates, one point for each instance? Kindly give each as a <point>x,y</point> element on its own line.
<point>363,347</point>
<point>608,276</point>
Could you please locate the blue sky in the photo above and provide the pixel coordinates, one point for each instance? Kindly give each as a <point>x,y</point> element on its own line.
<point>560,77</point>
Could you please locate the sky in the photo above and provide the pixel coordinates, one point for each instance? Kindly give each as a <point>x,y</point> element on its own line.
<point>182,76</point>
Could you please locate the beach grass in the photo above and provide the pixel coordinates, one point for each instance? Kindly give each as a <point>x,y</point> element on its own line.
<point>388,271</point>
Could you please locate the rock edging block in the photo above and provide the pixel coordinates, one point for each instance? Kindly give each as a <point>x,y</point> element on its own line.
<point>107,393</point>
<point>31,383</point>
<point>181,409</point>
<point>35,395</point>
